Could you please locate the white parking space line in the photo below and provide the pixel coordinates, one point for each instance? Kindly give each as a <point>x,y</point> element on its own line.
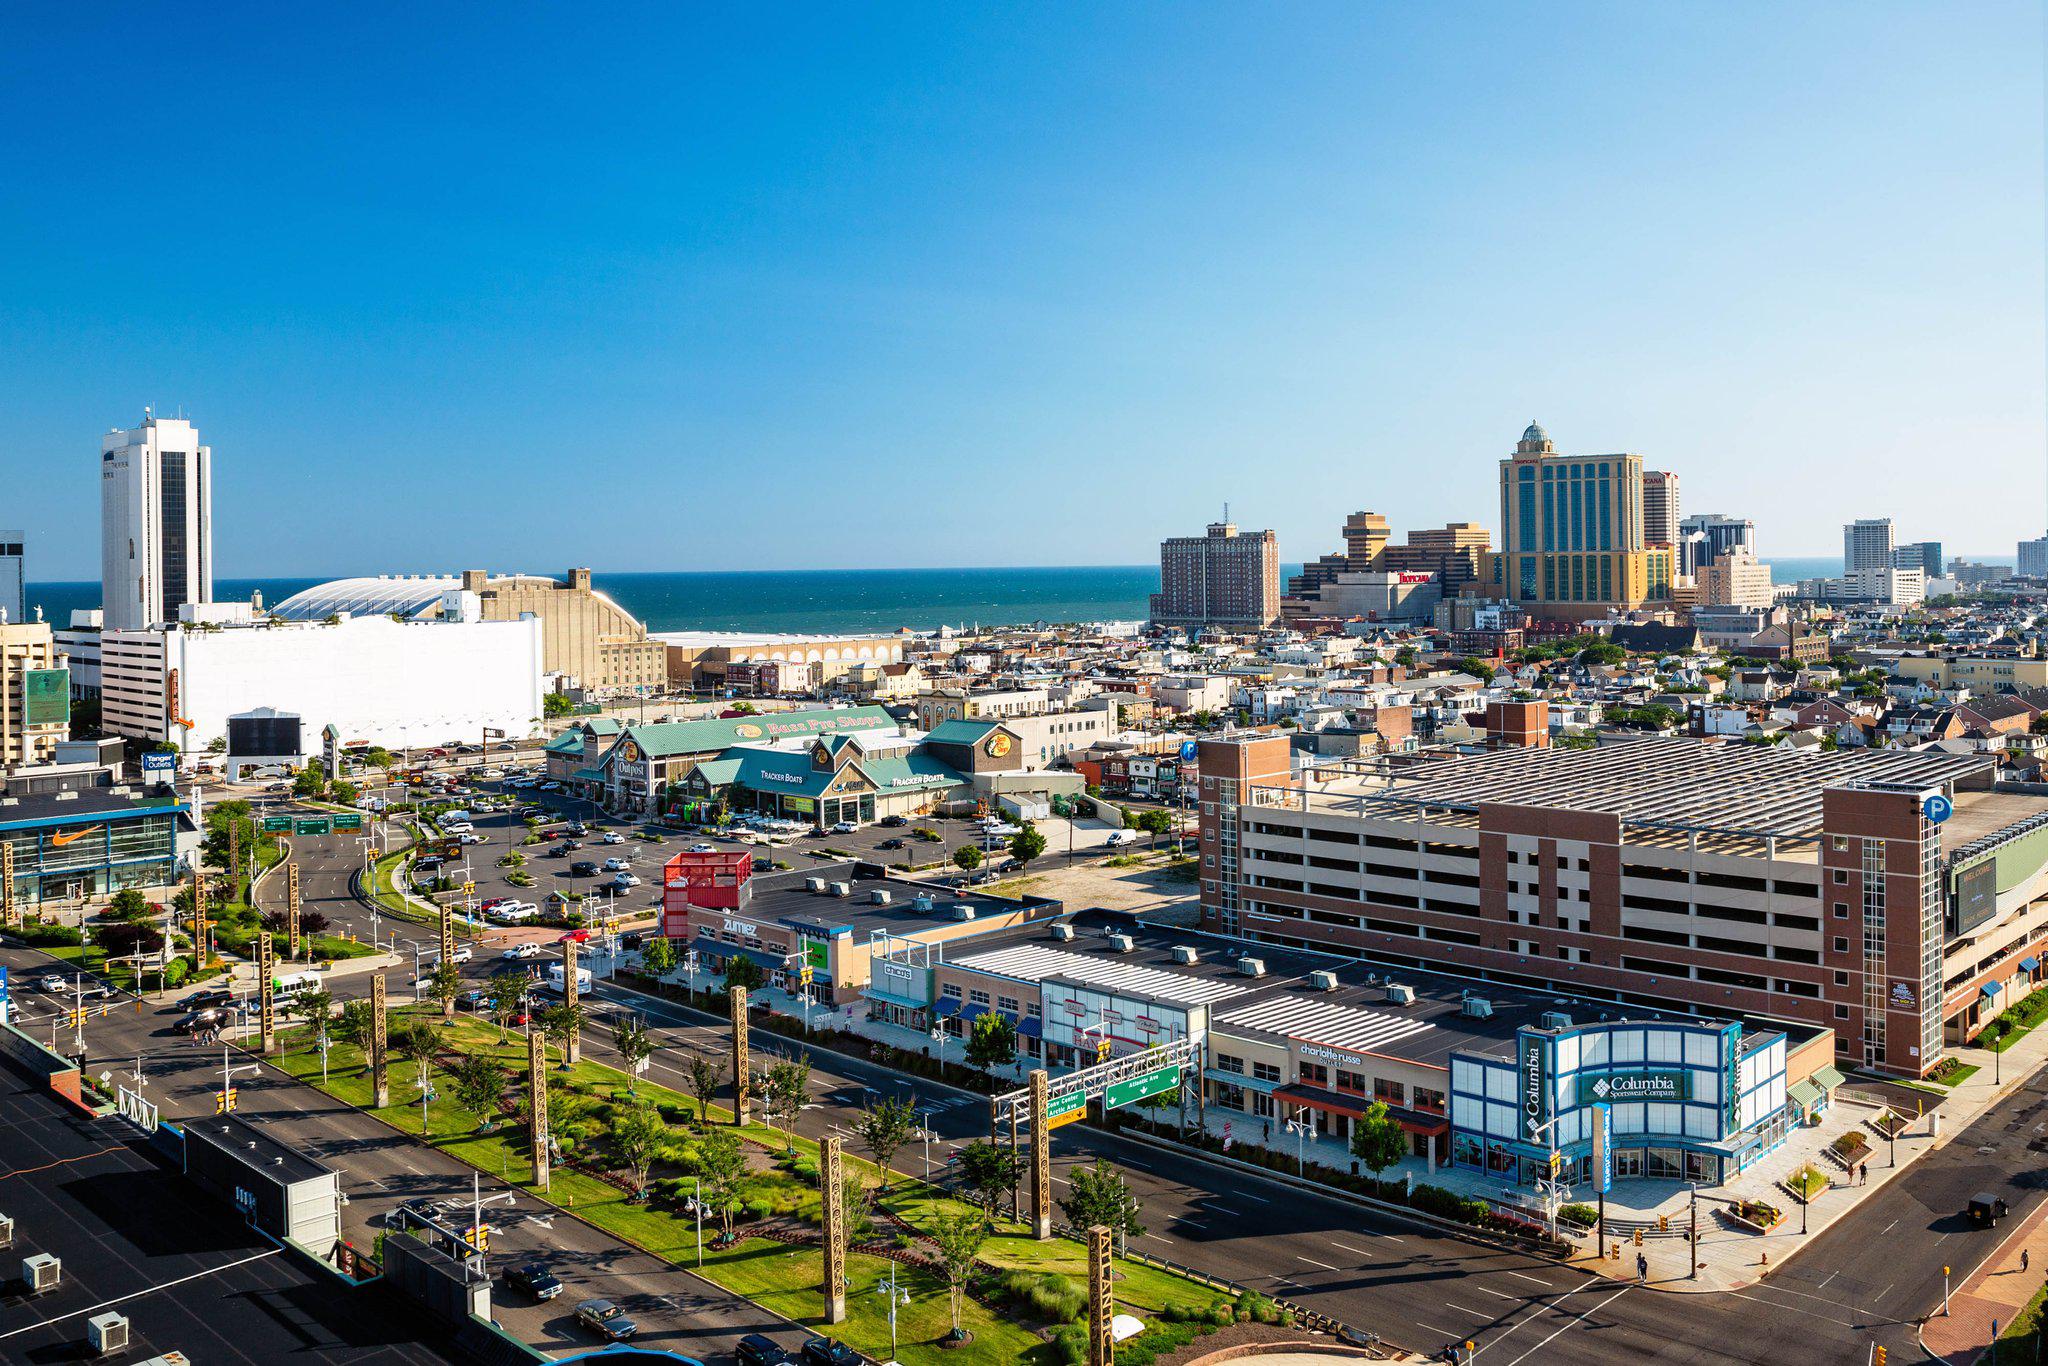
<point>1518,1299</point>
<point>1313,1262</point>
<point>1533,1280</point>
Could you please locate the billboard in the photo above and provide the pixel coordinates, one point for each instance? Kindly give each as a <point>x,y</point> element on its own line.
<point>257,736</point>
<point>159,767</point>
<point>1976,896</point>
<point>46,696</point>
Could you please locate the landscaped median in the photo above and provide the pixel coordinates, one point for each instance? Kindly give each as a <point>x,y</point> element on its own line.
<point>1021,1299</point>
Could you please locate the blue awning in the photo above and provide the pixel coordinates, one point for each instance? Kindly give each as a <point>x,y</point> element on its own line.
<point>1030,1028</point>
<point>1991,991</point>
<point>972,1011</point>
<point>2031,964</point>
<point>946,1007</point>
<point>891,998</point>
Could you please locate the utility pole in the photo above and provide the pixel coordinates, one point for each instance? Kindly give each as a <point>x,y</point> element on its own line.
<point>739,1056</point>
<point>380,1076</point>
<point>537,1096</point>
<point>829,1192</point>
<point>1693,1237</point>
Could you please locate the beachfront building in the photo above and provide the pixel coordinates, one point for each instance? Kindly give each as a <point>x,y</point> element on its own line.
<point>700,660</point>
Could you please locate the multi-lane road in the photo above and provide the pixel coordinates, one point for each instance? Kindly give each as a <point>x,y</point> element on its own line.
<point>1868,1279</point>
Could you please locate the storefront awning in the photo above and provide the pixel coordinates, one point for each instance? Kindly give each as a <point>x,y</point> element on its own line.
<point>1827,1078</point>
<point>972,1011</point>
<point>1803,1094</point>
<point>946,1007</point>
<point>891,998</point>
<point>1031,1028</point>
<point>2030,964</point>
<point>1990,991</point>
<point>1239,1079</point>
<point>769,959</point>
<point>1338,1103</point>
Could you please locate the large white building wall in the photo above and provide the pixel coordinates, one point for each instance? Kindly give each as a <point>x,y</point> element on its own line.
<point>396,684</point>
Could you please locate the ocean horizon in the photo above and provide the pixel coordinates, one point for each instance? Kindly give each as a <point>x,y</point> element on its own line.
<point>842,601</point>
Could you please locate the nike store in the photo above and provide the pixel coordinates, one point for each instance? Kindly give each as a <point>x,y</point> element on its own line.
<point>1691,1101</point>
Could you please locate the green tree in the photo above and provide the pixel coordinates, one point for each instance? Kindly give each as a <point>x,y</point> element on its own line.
<point>885,1127</point>
<point>1154,821</point>
<point>479,1084</point>
<point>343,791</point>
<point>313,1007</point>
<point>1377,1139</point>
<point>129,904</point>
<point>742,971</point>
<point>1477,667</point>
<point>991,1041</point>
<point>721,1165</point>
<point>967,858</point>
<point>707,1074</point>
<point>1099,1195</point>
<point>417,1044</point>
<point>957,1238</point>
<point>634,1042</point>
<point>504,994</point>
<point>856,1212</point>
<point>554,704</point>
<point>444,984</point>
<point>987,1169</point>
<point>560,1022</point>
<point>354,1024</point>
<point>1406,656</point>
<point>636,1135</point>
<point>785,1090</point>
<point>311,780</point>
<point>658,955</point>
<point>1027,844</point>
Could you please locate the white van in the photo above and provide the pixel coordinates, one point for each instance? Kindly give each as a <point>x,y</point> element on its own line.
<point>294,984</point>
<point>1119,838</point>
<point>555,978</point>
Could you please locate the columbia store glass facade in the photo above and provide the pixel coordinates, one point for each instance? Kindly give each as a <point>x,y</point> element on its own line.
<point>1691,1102</point>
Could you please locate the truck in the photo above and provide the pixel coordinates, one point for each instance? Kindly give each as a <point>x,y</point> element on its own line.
<point>555,978</point>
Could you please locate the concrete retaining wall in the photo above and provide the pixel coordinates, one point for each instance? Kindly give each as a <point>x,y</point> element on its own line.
<point>58,1071</point>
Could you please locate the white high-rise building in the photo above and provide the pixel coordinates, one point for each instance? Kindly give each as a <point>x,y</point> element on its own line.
<point>1660,507</point>
<point>1867,544</point>
<point>156,522</point>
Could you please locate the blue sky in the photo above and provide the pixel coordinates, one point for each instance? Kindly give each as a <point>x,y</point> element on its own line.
<point>689,287</point>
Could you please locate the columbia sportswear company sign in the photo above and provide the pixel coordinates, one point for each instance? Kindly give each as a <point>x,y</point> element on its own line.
<point>1534,1085</point>
<point>1626,1086</point>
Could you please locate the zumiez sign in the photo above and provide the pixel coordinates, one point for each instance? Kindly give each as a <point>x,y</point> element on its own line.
<point>1627,1086</point>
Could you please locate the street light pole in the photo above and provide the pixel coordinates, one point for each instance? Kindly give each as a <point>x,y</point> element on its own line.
<point>1693,1236</point>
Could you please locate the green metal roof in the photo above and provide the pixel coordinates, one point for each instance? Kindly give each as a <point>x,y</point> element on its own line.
<point>914,772</point>
<point>665,739</point>
<point>959,732</point>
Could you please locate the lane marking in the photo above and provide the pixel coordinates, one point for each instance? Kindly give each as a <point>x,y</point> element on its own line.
<point>1825,1318</point>
<point>1313,1262</point>
<point>1517,1299</point>
<point>1475,1313</point>
<point>1354,1251</point>
<point>1533,1280</point>
<point>150,1290</point>
<point>1581,1318</point>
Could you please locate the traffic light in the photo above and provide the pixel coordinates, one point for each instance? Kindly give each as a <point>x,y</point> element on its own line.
<point>1877,1355</point>
<point>224,1101</point>
<point>1102,1050</point>
<point>1639,1237</point>
<point>478,1236</point>
<point>1663,1223</point>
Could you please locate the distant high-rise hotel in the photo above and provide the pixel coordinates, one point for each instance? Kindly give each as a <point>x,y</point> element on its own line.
<point>2033,558</point>
<point>156,522</point>
<point>1373,571</point>
<point>1867,544</point>
<point>13,577</point>
<point>1572,543</point>
<point>1660,507</point>
<point>1220,578</point>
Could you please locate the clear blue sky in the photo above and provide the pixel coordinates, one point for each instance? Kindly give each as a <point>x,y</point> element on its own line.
<point>694,286</point>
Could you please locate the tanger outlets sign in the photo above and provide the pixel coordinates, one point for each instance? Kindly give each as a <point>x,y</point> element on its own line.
<point>1625,1086</point>
<point>1535,1082</point>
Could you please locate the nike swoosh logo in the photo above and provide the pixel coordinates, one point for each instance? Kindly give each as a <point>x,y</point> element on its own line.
<point>59,841</point>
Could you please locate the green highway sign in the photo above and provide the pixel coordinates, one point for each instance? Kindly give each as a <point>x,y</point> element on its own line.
<point>1143,1085</point>
<point>312,825</point>
<point>277,824</point>
<point>1059,1105</point>
<point>349,820</point>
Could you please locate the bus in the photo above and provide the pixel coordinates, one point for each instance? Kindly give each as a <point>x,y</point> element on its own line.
<point>293,984</point>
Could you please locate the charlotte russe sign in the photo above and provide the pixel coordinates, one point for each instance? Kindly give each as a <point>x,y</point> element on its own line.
<point>1331,1055</point>
<point>1627,1086</point>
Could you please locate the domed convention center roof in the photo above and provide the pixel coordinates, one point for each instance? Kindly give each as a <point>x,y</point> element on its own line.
<point>408,595</point>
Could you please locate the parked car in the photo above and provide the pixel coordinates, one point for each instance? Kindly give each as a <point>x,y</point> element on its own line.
<point>624,880</point>
<point>893,844</point>
<point>204,997</point>
<point>763,865</point>
<point>522,951</point>
<point>756,1350</point>
<point>470,837</point>
<point>612,837</point>
<point>703,848</point>
<point>893,822</point>
<point>606,1319</point>
<point>612,865</point>
<point>558,851</point>
<point>535,1280</point>
<point>844,827</point>
<point>578,828</point>
<point>825,1352</point>
<point>583,868</point>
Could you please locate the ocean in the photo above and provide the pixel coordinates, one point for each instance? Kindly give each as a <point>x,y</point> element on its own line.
<point>843,601</point>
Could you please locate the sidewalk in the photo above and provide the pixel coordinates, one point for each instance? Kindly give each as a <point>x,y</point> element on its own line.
<point>1992,1294</point>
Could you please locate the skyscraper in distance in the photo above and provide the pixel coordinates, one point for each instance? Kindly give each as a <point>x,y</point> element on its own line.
<point>156,522</point>
<point>1660,507</point>
<point>13,577</point>
<point>1867,544</point>
<point>1220,578</point>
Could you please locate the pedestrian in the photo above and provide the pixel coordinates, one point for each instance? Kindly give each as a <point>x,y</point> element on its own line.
<point>2024,1259</point>
<point>1642,1268</point>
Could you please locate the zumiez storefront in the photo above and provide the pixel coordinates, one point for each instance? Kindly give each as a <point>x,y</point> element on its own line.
<point>1690,1101</point>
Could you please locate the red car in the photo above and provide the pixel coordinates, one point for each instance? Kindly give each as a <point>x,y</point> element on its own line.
<point>575,937</point>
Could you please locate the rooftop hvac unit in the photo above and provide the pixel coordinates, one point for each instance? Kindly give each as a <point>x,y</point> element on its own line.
<point>1186,953</point>
<point>842,889</point>
<point>6,1230</point>
<point>814,885</point>
<point>1063,933</point>
<point>41,1272</point>
<point>1398,994</point>
<point>879,896</point>
<point>1477,1007</point>
<point>921,902</point>
<point>1554,1019</point>
<point>106,1333</point>
<point>1120,943</point>
<point>964,911</point>
<point>1322,979</point>
<point>1252,967</point>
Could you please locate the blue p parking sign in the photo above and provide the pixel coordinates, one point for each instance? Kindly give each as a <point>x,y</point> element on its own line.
<point>1937,809</point>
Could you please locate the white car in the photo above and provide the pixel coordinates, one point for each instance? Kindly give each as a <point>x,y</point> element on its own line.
<point>703,848</point>
<point>550,786</point>
<point>469,837</point>
<point>613,865</point>
<point>844,828</point>
<point>54,983</point>
<point>456,828</point>
<point>522,951</point>
<point>612,837</point>
<point>624,880</point>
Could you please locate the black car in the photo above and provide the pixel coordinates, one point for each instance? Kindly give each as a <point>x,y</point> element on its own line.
<point>755,1350</point>
<point>583,868</point>
<point>535,1280</point>
<point>892,821</point>
<point>892,844</point>
<point>763,865</point>
<point>199,1021</point>
<point>209,996</point>
<point>606,1319</point>
<point>825,1352</point>
<point>629,942</point>
<point>559,851</point>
